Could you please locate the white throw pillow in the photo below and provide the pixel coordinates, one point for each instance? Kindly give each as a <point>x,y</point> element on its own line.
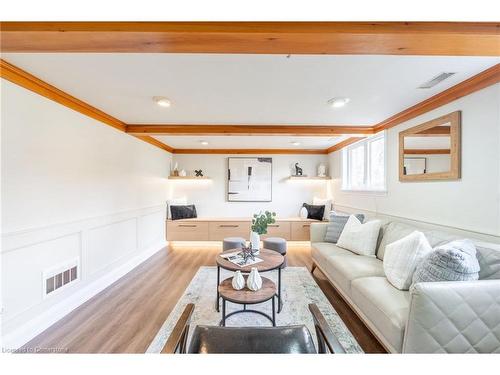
<point>324,202</point>
<point>175,202</point>
<point>360,238</point>
<point>402,257</point>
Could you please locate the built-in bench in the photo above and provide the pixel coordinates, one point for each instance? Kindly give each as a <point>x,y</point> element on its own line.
<point>216,229</point>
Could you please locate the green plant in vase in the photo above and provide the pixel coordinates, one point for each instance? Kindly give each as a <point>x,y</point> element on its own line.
<point>260,222</point>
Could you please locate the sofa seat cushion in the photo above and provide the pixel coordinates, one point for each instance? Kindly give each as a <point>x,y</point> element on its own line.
<point>384,305</point>
<point>345,268</point>
<point>322,251</point>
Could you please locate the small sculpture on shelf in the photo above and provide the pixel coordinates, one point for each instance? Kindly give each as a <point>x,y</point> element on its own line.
<point>322,170</point>
<point>298,170</point>
<point>198,173</point>
<point>175,172</point>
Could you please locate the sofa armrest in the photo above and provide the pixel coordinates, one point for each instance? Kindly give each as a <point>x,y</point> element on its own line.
<point>318,232</point>
<point>454,317</point>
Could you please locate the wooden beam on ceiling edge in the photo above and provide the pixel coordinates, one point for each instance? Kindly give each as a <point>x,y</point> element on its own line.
<point>336,38</point>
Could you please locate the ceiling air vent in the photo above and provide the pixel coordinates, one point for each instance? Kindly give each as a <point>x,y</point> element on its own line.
<point>434,81</point>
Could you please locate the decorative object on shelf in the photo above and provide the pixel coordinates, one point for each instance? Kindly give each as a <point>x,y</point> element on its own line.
<point>249,179</point>
<point>322,170</point>
<point>260,222</point>
<point>198,173</point>
<point>183,173</point>
<point>176,170</point>
<point>298,170</point>
<point>303,213</point>
<point>254,281</point>
<point>238,282</point>
<point>247,253</point>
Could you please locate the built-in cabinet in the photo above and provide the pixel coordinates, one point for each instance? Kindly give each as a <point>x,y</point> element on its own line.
<point>216,229</point>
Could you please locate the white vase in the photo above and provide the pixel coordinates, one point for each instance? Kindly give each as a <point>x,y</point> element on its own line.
<point>183,173</point>
<point>255,241</point>
<point>303,213</point>
<point>254,281</point>
<point>321,170</point>
<point>238,281</point>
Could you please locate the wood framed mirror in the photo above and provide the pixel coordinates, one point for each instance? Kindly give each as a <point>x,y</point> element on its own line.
<point>432,150</point>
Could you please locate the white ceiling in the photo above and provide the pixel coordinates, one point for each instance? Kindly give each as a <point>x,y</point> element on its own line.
<point>247,89</point>
<point>258,142</point>
<point>252,89</point>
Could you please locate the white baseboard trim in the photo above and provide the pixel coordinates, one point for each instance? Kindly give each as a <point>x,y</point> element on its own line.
<point>34,327</point>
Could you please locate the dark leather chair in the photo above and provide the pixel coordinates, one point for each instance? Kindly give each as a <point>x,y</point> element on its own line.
<point>277,340</point>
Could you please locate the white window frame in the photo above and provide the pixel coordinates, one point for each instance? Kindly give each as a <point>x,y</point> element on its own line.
<point>346,162</point>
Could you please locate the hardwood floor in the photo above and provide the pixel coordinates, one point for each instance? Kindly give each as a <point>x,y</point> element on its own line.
<point>125,317</point>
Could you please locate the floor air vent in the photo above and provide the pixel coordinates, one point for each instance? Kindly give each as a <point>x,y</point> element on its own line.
<point>59,277</point>
<point>434,81</point>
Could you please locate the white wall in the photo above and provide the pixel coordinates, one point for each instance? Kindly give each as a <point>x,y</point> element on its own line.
<point>71,188</point>
<point>471,203</point>
<point>210,197</point>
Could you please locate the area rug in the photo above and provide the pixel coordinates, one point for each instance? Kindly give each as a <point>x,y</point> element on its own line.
<point>298,290</point>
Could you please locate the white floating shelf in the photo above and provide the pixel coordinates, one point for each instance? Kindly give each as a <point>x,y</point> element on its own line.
<point>188,178</point>
<point>309,178</point>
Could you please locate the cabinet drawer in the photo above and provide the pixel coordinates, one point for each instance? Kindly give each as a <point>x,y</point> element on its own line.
<point>187,231</point>
<point>218,230</point>
<point>301,231</point>
<point>278,229</point>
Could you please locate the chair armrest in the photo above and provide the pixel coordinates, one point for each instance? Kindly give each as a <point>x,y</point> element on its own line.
<point>325,336</point>
<point>454,317</point>
<point>318,232</point>
<point>177,340</point>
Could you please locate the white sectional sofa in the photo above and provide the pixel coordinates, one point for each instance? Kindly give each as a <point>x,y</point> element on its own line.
<point>456,317</point>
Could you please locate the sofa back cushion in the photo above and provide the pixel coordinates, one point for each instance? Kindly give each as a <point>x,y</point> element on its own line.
<point>488,256</point>
<point>394,231</point>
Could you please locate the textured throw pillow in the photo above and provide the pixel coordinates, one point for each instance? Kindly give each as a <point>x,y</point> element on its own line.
<point>454,261</point>
<point>183,212</point>
<point>360,238</point>
<point>175,202</point>
<point>336,226</point>
<point>324,202</point>
<point>402,257</point>
<point>314,212</point>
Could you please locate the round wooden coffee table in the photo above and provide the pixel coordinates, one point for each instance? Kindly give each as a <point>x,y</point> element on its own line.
<point>271,260</point>
<point>247,297</point>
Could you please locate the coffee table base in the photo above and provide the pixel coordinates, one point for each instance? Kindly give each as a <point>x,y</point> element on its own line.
<point>272,318</point>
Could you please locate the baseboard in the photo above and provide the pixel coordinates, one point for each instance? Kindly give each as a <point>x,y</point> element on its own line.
<point>34,327</point>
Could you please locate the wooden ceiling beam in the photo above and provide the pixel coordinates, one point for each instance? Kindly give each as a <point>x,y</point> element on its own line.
<point>484,79</point>
<point>30,82</point>
<point>341,145</point>
<point>358,38</point>
<point>250,151</point>
<point>293,130</point>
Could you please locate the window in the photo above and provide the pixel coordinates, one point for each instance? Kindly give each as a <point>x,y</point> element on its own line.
<point>364,165</point>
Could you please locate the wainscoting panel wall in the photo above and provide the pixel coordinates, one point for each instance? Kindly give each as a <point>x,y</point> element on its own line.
<point>107,247</point>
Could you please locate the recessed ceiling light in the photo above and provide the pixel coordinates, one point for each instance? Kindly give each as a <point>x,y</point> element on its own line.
<point>338,102</point>
<point>204,143</point>
<point>296,143</point>
<point>162,101</point>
